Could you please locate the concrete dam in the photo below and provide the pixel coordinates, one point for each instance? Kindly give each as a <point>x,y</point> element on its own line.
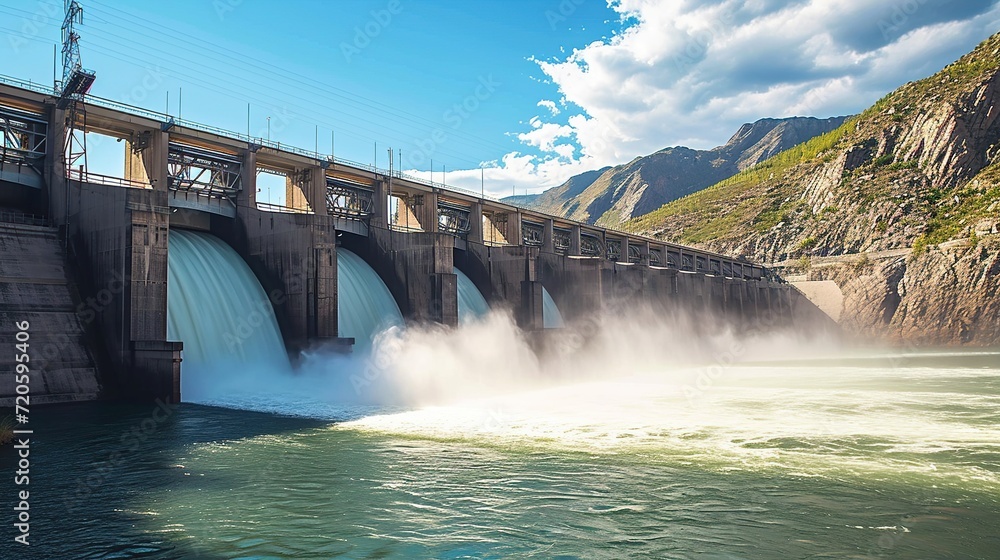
<point>128,281</point>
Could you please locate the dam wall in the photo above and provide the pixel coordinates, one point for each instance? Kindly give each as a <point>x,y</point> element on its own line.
<point>39,308</point>
<point>294,256</point>
<point>413,234</point>
<point>118,240</point>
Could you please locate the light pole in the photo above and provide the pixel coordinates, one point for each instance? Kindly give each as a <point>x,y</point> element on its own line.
<point>268,129</point>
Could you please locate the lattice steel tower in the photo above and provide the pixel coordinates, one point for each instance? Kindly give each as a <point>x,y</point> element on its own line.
<point>75,84</point>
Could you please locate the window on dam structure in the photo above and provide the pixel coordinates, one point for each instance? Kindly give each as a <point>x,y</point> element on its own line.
<point>106,160</point>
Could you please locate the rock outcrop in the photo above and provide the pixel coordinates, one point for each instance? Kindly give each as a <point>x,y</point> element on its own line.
<point>943,296</point>
<point>908,193</point>
<point>613,195</point>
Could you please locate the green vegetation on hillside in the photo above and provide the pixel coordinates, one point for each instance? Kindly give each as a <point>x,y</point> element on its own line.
<point>889,196</point>
<point>720,197</point>
<point>978,199</point>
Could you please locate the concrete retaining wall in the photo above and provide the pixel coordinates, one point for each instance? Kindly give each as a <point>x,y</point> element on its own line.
<point>118,238</point>
<point>34,288</point>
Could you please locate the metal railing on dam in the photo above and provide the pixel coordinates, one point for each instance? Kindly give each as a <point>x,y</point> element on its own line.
<point>522,224</point>
<point>414,234</point>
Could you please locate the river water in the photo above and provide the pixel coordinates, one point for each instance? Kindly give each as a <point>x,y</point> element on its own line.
<point>893,456</point>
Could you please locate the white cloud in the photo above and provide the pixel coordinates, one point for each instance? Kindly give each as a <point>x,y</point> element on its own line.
<point>689,73</point>
<point>550,105</point>
<point>545,135</point>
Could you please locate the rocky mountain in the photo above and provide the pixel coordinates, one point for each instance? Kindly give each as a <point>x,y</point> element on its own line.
<point>524,200</point>
<point>900,206</point>
<point>613,195</point>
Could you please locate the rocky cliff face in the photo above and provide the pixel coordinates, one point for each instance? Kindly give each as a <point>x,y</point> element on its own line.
<point>613,195</point>
<point>910,190</point>
<point>943,296</point>
<point>756,142</point>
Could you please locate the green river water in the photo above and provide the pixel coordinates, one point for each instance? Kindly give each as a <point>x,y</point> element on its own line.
<point>878,457</point>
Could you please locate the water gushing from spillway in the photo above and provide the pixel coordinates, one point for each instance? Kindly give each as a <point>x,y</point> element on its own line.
<point>471,303</point>
<point>551,317</point>
<point>365,306</point>
<point>639,420</point>
<point>234,355</point>
<point>218,309</point>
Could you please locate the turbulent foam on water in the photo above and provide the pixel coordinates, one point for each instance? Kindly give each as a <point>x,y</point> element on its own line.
<point>826,421</point>
<point>670,388</point>
<point>426,365</point>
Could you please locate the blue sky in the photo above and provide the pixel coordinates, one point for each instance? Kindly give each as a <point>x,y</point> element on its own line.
<point>535,91</point>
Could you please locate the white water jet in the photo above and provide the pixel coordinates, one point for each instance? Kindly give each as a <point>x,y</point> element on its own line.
<point>551,317</point>
<point>471,303</point>
<point>365,306</point>
<point>218,309</point>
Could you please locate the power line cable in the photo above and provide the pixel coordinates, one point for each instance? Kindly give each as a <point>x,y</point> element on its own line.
<point>275,102</point>
<point>323,88</point>
<point>115,38</point>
